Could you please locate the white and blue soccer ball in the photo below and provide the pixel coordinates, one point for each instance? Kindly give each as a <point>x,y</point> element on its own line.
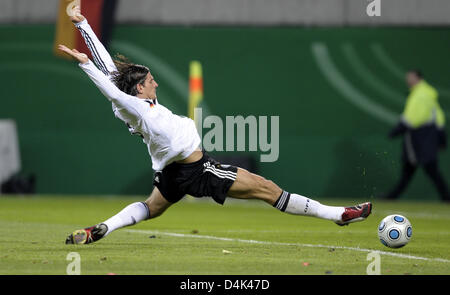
<point>395,231</point>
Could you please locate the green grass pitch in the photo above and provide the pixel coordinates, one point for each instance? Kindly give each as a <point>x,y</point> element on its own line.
<point>33,230</point>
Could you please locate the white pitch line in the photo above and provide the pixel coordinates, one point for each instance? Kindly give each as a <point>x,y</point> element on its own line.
<point>178,235</point>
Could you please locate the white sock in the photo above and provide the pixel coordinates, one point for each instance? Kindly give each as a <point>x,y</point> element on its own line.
<point>131,214</point>
<point>300,205</point>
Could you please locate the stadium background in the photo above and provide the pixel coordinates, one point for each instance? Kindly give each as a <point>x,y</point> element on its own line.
<point>334,78</point>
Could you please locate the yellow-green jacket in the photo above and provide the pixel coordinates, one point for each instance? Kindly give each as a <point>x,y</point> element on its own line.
<point>422,107</point>
<point>422,124</point>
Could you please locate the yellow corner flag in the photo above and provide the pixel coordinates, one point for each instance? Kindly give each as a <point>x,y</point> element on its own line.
<point>195,86</point>
<point>65,31</point>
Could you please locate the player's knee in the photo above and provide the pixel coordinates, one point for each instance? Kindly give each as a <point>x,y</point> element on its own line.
<point>264,186</point>
<point>154,209</point>
<point>271,188</point>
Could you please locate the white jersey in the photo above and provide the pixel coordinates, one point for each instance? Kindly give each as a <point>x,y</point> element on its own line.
<point>169,137</point>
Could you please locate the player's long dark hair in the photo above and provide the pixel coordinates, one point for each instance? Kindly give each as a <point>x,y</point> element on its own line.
<point>128,75</point>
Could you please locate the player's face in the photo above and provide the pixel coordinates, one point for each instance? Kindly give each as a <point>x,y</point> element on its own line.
<point>149,87</point>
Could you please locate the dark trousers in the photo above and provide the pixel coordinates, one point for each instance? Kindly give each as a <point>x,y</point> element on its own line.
<point>431,170</point>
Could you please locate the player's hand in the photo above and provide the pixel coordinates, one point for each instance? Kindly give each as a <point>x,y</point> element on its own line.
<point>75,14</point>
<point>81,57</point>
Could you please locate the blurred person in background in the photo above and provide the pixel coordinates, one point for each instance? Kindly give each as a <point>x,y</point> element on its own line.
<point>422,127</point>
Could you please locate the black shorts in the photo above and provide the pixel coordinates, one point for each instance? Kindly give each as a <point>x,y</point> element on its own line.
<point>203,178</point>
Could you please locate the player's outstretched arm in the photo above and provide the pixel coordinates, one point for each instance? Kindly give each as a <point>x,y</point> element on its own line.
<point>109,89</point>
<point>99,53</point>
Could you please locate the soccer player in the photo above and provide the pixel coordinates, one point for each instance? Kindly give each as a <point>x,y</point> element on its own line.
<point>181,167</point>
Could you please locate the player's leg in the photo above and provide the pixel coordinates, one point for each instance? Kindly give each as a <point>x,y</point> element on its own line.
<point>136,212</point>
<point>153,207</point>
<point>251,186</point>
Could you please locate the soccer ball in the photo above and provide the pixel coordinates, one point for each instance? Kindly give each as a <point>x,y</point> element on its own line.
<point>395,231</point>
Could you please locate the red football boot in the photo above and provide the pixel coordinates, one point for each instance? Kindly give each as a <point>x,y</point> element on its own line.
<point>87,235</point>
<point>355,213</point>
